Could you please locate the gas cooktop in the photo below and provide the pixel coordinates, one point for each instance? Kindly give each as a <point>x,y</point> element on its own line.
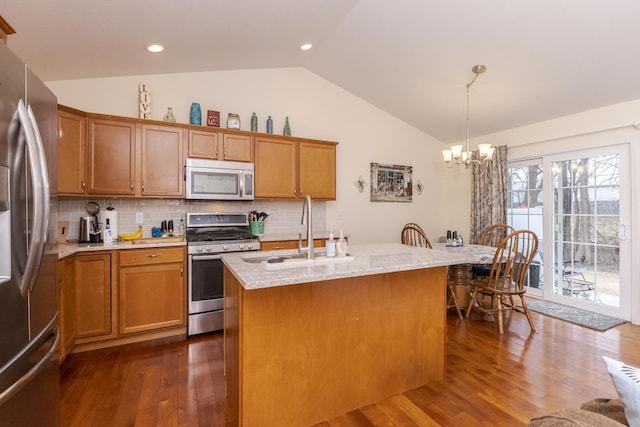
<point>219,232</point>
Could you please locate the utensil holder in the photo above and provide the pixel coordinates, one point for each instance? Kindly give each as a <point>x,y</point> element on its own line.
<point>257,227</point>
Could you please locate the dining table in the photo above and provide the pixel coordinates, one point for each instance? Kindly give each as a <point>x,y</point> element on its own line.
<point>461,273</point>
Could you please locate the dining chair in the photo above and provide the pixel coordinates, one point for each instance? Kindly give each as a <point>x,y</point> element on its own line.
<point>412,234</point>
<point>490,236</point>
<point>493,234</point>
<point>507,277</point>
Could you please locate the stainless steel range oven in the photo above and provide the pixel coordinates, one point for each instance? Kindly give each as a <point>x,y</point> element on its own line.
<point>208,235</point>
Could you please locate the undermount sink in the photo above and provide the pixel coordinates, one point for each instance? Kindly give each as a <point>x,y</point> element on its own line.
<point>273,258</point>
<point>296,260</point>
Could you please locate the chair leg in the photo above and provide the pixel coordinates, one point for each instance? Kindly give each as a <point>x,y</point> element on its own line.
<point>471,301</point>
<point>526,313</point>
<point>452,297</point>
<point>500,320</point>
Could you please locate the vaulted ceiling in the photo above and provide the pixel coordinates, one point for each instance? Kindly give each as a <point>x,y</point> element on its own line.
<point>411,58</point>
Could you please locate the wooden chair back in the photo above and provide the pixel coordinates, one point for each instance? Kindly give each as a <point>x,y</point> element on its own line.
<point>412,234</point>
<point>493,234</point>
<point>512,261</point>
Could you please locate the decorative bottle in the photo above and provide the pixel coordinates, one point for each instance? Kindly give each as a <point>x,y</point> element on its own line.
<point>254,123</point>
<point>287,128</point>
<point>169,116</point>
<point>341,246</point>
<point>269,125</point>
<point>195,114</point>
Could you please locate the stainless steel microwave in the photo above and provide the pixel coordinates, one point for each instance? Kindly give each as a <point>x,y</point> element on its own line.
<point>219,180</point>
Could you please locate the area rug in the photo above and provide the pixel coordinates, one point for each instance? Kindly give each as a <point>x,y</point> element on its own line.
<point>599,322</point>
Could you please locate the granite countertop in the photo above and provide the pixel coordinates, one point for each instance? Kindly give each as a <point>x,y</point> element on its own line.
<point>364,260</point>
<point>66,249</point>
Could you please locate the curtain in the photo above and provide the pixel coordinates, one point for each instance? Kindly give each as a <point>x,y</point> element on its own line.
<point>488,193</point>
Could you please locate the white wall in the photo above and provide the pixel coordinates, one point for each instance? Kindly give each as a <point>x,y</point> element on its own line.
<point>316,109</point>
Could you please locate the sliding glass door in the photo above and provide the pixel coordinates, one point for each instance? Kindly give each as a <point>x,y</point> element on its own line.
<point>525,212</point>
<point>587,249</point>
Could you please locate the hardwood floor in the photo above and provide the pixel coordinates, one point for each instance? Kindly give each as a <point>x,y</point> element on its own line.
<point>492,380</point>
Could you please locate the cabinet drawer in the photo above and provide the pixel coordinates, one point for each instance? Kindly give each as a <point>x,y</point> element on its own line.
<point>151,256</point>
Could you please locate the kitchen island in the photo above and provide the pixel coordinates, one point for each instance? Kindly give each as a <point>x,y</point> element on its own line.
<point>304,344</point>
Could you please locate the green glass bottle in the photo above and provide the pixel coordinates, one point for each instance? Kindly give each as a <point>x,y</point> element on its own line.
<point>254,123</point>
<point>287,128</point>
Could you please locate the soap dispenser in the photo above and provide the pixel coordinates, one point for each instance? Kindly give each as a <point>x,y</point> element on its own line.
<point>331,245</point>
<point>341,246</point>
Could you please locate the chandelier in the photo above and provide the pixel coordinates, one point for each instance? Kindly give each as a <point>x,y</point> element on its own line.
<point>455,155</point>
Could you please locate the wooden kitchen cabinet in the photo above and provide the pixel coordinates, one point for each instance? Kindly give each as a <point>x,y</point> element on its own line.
<point>276,168</point>
<point>127,158</point>
<point>217,145</point>
<point>317,170</point>
<point>92,295</point>
<point>66,305</point>
<point>111,157</point>
<point>291,169</point>
<point>71,152</point>
<point>162,149</point>
<point>152,289</point>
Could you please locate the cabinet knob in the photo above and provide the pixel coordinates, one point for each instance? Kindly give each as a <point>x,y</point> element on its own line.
<point>131,187</point>
<point>83,185</point>
<point>143,186</point>
<point>153,255</point>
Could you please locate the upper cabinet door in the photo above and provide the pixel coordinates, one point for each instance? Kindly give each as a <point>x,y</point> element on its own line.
<point>203,144</point>
<point>237,148</point>
<point>317,170</point>
<point>220,146</point>
<point>162,161</point>
<point>71,153</point>
<point>111,157</point>
<point>276,168</point>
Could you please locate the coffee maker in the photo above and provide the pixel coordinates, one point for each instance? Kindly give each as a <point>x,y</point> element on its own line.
<point>90,230</point>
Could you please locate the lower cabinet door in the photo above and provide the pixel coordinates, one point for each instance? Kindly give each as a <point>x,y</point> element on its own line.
<point>151,297</point>
<point>93,295</point>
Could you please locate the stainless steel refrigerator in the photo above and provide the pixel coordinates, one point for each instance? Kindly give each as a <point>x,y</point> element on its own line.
<point>29,369</point>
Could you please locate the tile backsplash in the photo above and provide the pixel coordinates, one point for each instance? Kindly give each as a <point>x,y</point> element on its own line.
<point>284,215</point>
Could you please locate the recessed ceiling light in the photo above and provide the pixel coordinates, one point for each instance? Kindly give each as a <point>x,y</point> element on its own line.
<point>306,46</point>
<point>155,47</point>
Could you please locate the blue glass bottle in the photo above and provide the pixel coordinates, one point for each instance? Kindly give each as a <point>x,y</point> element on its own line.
<point>269,125</point>
<point>195,115</point>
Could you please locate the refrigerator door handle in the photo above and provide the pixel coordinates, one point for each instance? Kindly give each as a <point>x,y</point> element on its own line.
<point>38,235</point>
<point>50,331</point>
<point>43,187</point>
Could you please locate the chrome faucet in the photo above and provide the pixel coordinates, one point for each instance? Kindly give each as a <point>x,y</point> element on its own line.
<point>306,207</point>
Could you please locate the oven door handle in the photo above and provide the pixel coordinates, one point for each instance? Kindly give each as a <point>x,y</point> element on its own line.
<point>204,257</point>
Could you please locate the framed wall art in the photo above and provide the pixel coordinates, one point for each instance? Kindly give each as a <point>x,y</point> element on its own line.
<point>391,183</point>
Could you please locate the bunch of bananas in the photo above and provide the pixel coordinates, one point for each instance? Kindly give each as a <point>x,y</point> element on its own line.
<point>131,236</point>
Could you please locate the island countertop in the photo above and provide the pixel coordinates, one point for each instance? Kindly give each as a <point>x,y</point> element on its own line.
<point>367,259</point>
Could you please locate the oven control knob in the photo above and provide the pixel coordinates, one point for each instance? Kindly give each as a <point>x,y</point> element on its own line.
<point>225,247</point>
<point>199,249</point>
<point>208,249</point>
<point>241,246</point>
<point>249,246</point>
